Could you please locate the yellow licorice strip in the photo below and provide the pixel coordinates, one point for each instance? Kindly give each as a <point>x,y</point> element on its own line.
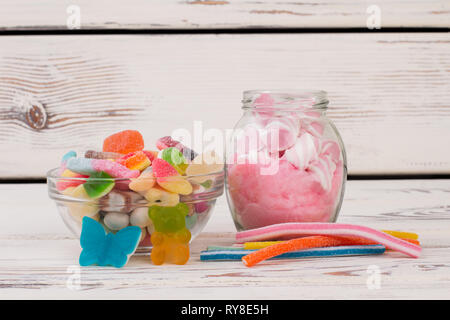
<point>259,244</point>
<point>402,235</point>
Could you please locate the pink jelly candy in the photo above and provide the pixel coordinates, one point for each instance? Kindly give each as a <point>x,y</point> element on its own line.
<point>168,142</point>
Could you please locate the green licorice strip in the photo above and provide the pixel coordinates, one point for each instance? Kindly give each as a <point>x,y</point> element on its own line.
<point>224,248</point>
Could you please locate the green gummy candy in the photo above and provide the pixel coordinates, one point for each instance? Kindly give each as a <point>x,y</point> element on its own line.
<point>96,188</point>
<point>207,184</point>
<point>169,219</point>
<point>175,158</point>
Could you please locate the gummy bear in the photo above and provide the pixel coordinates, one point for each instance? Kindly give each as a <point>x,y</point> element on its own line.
<point>171,237</point>
<point>172,247</point>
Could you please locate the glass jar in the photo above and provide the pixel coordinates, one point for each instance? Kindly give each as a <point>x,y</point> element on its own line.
<point>286,161</point>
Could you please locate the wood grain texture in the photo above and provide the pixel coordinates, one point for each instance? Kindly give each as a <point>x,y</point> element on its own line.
<point>389,93</point>
<point>35,256</point>
<point>206,14</point>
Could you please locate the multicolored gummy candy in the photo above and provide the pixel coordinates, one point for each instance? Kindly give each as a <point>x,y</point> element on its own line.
<point>124,185</point>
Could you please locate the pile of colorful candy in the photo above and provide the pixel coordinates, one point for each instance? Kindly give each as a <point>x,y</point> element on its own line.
<point>286,164</point>
<point>308,240</point>
<point>166,193</point>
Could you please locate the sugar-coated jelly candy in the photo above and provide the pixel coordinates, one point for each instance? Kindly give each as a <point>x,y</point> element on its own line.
<point>161,197</point>
<point>169,178</point>
<point>135,160</point>
<point>102,155</point>
<point>175,184</point>
<point>162,168</point>
<point>208,162</point>
<point>169,219</point>
<point>124,142</point>
<point>63,184</point>
<point>171,248</point>
<point>167,142</point>
<point>98,185</point>
<point>175,158</point>
<point>78,210</point>
<point>144,182</point>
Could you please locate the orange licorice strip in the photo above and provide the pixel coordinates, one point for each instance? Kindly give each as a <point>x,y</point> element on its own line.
<point>349,241</point>
<point>293,245</point>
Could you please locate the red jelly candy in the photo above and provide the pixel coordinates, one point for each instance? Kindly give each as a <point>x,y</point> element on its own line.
<point>162,168</point>
<point>124,142</point>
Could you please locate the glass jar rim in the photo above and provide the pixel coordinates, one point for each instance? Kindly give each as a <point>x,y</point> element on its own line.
<point>285,99</point>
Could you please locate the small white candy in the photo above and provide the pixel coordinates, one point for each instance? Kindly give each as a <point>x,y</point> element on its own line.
<point>139,217</point>
<point>116,220</point>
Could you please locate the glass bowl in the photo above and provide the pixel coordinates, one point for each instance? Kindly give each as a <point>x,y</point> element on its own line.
<point>121,207</point>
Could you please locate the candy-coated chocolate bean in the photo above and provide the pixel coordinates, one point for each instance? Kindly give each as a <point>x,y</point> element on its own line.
<point>116,220</point>
<point>119,201</point>
<point>139,217</point>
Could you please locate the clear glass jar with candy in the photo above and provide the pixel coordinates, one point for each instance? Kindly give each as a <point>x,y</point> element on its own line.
<point>286,161</point>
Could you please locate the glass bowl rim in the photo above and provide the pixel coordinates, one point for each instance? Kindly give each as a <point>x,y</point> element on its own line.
<point>53,174</point>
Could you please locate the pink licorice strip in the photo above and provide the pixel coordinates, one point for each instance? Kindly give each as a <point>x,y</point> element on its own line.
<point>333,229</point>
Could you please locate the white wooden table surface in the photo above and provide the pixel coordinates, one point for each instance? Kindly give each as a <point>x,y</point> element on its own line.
<point>161,65</point>
<point>36,251</point>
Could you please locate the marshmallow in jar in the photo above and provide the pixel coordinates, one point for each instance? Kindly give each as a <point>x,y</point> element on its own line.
<point>286,161</point>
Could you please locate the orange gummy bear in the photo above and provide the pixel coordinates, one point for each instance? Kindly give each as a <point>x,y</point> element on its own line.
<point>170,247</point>
<point>124,142</point>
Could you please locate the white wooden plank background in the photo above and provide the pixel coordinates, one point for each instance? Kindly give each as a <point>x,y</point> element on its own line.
<point>213,14</point>
<point>389,92</point>
<point>36,249</point>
